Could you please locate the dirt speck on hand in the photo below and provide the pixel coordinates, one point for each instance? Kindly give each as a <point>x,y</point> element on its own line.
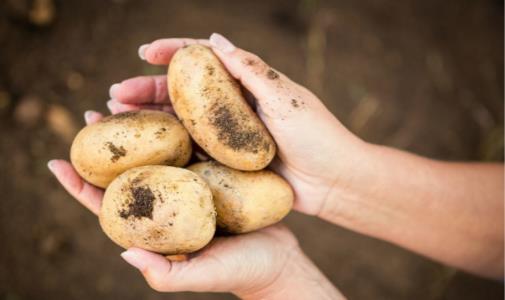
<point>295,103</point>
<point>249,62</point>
<point>271,74</point>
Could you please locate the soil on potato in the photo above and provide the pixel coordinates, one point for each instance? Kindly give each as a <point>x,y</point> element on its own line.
<point>232,132</point>
<point>426,76</point>
<point>141,205</point>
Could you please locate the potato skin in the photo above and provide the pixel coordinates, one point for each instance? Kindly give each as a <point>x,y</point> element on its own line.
<point>163,209</point>
<point>103,150</point>
<point>245,201</point>
<point>210,104</point>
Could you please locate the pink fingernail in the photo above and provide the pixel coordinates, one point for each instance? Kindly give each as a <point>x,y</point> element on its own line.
<point>221,43</point>
<point>142,51</point>
<point>110,105</point>
<point>113,90</point>
<point>50,165</point>
<point>87,115</point>
<point>133,259</point>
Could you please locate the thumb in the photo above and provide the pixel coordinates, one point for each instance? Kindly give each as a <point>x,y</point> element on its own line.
<point>294,116</point>
<point>164,275</point>
<point>277,96</point>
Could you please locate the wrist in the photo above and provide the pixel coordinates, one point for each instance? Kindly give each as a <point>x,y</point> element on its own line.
<point>299,279</point>
<point>357,200</point>
<point>372,200</point>
<point>351,182</point>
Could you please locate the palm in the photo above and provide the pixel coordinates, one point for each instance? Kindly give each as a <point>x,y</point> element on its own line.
<point>266,251</point>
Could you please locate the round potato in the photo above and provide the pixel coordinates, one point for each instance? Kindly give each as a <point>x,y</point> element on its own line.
<point>245,201</point>
<point>159,208</point>
<point>103,150</point>
<point>210,104</point>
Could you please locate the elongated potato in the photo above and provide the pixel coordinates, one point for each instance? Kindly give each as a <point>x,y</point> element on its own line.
<point>211,106</point>
<point>103,150</point>
<point>245,201</point>
<point>159,208</point>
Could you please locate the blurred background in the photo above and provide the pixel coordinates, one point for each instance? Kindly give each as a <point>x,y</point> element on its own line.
<point>425,76</point>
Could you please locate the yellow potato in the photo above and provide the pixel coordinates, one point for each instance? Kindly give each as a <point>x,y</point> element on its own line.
<point>245,201</point>
<point>210,104</point>
<point>159,208</point>
<point>103,150</point>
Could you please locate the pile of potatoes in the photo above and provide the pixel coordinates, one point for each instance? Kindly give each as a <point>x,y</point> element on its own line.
<point>153,199</point>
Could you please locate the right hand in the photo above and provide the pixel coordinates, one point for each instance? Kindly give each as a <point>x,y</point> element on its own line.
<point>315,151</point>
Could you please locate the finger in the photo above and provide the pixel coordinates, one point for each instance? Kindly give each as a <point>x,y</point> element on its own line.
<point>277,96</point>
<point>116,107</point>
<point>175,276</point>
<point>89,195</point>
<point>141,89</point>
<point>160,52</point>
<point>91,117</point>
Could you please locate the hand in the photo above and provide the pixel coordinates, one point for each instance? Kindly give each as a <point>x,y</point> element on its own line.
<point>263,264</point>
<point>315,151</point>
<point>266,263</point>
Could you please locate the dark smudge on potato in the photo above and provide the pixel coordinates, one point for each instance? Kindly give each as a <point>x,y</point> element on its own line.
<point>232,133</point>
<point>117,153</point>
<point>142,205</point>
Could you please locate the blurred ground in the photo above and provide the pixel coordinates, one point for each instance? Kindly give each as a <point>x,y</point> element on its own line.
<point>426,76</point>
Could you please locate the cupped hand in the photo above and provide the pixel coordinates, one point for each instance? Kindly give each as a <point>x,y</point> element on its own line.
<point>315,152</point>
<point>265,263</point>
<point>246,264</point>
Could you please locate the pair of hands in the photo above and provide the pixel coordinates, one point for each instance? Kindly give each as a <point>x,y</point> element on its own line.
<point>315,153</point>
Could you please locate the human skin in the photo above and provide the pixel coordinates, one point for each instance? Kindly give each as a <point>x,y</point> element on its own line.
<point>450,212</point>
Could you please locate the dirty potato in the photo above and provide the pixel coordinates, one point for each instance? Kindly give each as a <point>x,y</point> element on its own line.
<point>211,106</point>
<point>159,208</point>
<point>103,150</point>
<point>245,201</point>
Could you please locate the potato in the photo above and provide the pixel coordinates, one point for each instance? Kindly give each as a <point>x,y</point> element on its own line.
<point>245,201</point>
<point>103,150</point>
<point>164,209</point>
<point>211,106</point>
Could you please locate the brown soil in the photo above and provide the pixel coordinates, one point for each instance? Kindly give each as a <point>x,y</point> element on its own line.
<point>117,153</point>
<point>232,133</point>
<point>142,204</point>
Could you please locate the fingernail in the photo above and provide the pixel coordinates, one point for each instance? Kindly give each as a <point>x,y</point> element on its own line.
<point>110,104</point>
<point>221,43</point>
<point>50,165</point>
<point>113,89</point>
<point>142,51</point>
<point>87,115</point>
<point>133,259</point>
